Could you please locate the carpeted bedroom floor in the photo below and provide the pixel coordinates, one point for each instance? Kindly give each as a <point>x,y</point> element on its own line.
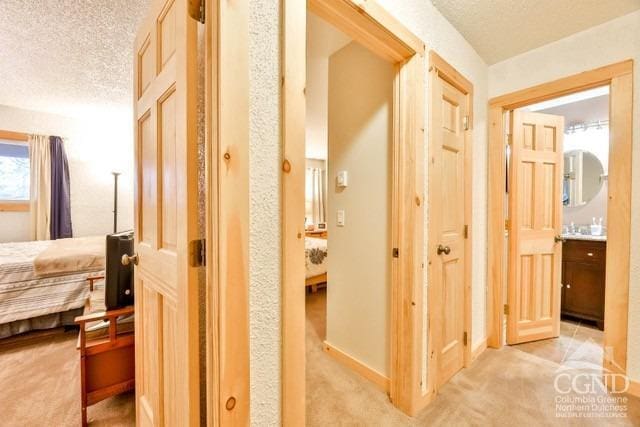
<point>507,387</point>
<point>40,385</point>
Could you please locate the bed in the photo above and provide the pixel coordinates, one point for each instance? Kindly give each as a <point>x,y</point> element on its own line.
<point>315,262</point>
<point>30,299</point>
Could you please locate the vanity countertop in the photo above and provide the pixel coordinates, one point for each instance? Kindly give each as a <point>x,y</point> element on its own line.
<point>584,237</point>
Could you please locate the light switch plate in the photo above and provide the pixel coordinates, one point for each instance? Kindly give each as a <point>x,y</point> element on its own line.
<point>340,218</point>
<point>342,179</point>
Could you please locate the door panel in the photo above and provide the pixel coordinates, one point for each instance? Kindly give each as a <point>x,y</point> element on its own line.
<point>447,188</point>
<point>535,207</point>
<point>166,217</point>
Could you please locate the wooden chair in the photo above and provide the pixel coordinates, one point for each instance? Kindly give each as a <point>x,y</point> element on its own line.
<point>107,358</point>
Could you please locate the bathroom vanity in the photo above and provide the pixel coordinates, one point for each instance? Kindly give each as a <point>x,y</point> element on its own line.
<point>583,277</point>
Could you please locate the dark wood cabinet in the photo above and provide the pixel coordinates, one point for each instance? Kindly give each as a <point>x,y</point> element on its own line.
<point>583,279</point>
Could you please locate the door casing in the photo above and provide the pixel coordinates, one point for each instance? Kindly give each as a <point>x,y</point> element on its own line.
<point>227,210</point>
<point>619,76</point>
<point>373,27</point>
<point>440,69</point>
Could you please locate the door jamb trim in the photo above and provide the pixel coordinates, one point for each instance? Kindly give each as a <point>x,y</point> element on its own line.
<point>619,76</point>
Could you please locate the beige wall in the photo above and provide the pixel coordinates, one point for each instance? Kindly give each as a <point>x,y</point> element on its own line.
<point>359,262</point>
<point>95,146</point>
<point>604,44</point>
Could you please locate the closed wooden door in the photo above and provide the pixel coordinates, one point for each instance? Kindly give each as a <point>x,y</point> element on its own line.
<point>447,196</point>
<point>535,215</point>
<point>166,292</point>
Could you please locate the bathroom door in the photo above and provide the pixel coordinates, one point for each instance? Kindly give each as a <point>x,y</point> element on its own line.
<point>166,217</point>
<point>535,214</point>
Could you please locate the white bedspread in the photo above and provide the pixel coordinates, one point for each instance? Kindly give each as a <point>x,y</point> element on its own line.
<point>23,295</point>
<point>315,256</point>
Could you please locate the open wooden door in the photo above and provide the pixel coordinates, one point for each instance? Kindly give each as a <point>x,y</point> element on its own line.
<point>447,187</point>
<point>166,292</point>
<point>535,215</point>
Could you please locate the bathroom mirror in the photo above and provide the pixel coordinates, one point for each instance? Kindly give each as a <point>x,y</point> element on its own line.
<point>583,177</point>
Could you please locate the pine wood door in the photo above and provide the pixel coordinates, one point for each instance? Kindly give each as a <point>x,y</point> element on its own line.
<point>447,192</point>
<point>535,215</point>
<point>166,290</point>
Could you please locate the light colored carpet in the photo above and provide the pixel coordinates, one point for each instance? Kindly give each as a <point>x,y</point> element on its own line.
<point>40,385</point>
<point>504,387</point>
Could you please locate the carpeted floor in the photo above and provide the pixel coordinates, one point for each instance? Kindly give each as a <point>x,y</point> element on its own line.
<point>40,385</point>
<point>507,387</point>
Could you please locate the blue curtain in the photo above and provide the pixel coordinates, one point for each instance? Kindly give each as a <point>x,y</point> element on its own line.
<point>60,191</point>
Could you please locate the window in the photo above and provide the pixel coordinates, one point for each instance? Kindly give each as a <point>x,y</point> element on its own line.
<point>14,175</point>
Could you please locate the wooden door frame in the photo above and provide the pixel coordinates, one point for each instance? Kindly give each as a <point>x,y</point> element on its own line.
<point>227,211</point>
<point>440,69</point>
<point>619,77</point>
<point>373,27</point>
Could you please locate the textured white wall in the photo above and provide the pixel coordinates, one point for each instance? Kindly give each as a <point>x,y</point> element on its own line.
<point>604,44</point>
<point>14,227</point>
<point>95,146</point>
<point>264,229</point>
<point>359,265</point>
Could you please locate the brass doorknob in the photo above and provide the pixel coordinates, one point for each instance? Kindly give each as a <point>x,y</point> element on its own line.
<point>127,259</point>
<point>559,239</point>
<point>444,249</point>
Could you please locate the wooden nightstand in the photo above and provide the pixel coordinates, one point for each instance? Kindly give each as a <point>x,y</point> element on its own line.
<point>320,234</point>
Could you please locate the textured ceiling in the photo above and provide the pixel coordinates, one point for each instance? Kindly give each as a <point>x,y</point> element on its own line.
<point>67,56</point>
<point>500,29</point>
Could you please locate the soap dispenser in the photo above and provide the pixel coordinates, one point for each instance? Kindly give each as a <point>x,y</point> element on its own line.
<point>596,228</point>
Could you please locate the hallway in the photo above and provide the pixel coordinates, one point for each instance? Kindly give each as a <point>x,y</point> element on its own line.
<point>514,385</point>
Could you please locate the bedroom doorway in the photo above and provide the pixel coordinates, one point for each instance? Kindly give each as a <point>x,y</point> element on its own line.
<point>618,79</point>
<point>349,138</point>
<point>372,27</point>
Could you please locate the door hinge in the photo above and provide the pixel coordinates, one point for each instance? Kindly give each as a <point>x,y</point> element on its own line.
<point>197,10</point>
<point>465,122</point>
<point>198,253</point>
<point>466,231</point>
<point>464,338</point>
<point>506,309</point>
<point>396,253</point>
<point>202,11</point>
<point>509,139</point>
<point>507,224</point>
